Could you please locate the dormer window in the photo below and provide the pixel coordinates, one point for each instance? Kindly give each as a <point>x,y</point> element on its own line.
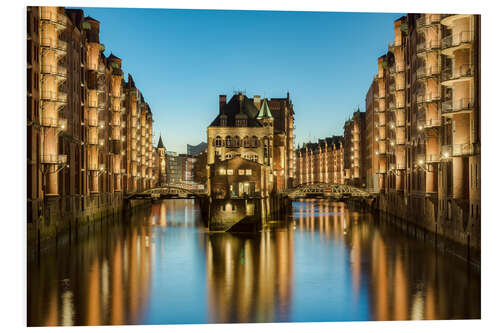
<point>223,122</point>
<point>241,122</point>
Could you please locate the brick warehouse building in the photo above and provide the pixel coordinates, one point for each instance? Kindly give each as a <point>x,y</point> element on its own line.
<point>425,104</point>
<point>321,162</point>
<point>89,132</point>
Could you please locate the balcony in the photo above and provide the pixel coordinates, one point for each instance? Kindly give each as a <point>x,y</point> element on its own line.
<point>427,72</point>
<point>53,17</point>
<point>54,159</point>
<point>432,158</point>
<point>428,46</point>
<point>53,122</point>
<point>52,96</point>
<point>428,21</point>
<point>428,98</point>
<point>457,74</point>
<point>465,149</point>
<point>431,123</point>
<point>463,105</point>
<point>451,43</point>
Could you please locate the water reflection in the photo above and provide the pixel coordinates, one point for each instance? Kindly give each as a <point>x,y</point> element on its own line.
<point>326,263</point>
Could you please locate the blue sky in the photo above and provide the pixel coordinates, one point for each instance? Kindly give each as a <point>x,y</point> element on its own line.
<point>183,59</point>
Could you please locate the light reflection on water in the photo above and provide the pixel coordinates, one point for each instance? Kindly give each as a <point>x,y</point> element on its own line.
<point>326,263</point>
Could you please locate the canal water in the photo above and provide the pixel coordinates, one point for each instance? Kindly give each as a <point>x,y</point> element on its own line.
<point>326,262</point>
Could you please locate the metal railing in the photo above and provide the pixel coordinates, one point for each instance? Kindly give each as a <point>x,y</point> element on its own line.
<point>54,159</point>
<point>53,17</point>
<point>464,70</point>
<point>463,104</point>
<point>432,123</point>
<point>428,98</point>
<point>465,149</point>
<point>427,71</point>
<point>432,158</point>
<point>428,45</point>
<point>457,39</point>
<point>428,20</point>
<point>49,121</point>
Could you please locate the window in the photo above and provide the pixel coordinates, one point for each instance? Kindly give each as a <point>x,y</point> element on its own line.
<point>229,171</point>
<point>254,141</point>
<point>246,141</point>
<point>236,141</point>
<point>222,171</point>
<point>270,177</point>
<point>228,141</point>
<point>218,141</point>
<point>248,172</point>
<point>241,171</point>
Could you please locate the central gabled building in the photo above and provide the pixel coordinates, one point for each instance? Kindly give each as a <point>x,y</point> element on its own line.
<point>249,128</point>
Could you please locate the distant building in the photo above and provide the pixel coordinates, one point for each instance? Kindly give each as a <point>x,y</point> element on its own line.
<point>321,162</point>
<point>174,168</point>
<point>354,143</point>
<point>196,150</point>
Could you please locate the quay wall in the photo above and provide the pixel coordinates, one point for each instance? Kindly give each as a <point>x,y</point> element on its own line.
<point>447,223</point>
<point>61,219</point>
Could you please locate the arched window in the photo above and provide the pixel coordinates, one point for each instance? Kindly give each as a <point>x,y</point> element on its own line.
<point>228,141</point>
<point>218,141</point>
<point>255,142</point>
<point>236,141</point>
<point>246,142</point>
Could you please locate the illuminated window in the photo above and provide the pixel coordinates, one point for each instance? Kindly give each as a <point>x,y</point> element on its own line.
<point>248,172</point>
<point>222,171</point>
<point>241,172</point>
<point>229,171</point>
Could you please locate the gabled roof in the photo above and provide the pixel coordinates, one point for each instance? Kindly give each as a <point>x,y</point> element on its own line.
<point>238,109</point>
<point>88,18</point>
<point>264,111</point>
<point>112,56</point>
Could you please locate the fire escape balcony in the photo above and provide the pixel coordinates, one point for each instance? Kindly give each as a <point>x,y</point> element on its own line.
<point>55,44</point>
<point>93,141</point>
<point>461,73</point>
<point>428,21</point>
<point>428,46</point>
<point>461,40</point>
<point>52,17</point>
<point>463,105</point>
<point>428,98</point>
<point>56,70</point>
<point>427,72</point>
<point>53,122</point>
<point>432,123</point>
<point>54,159</point>
<point>53,96</point>
<point>465,149</point>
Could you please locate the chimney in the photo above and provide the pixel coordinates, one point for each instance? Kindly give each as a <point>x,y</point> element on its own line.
<point>256,101</point>
<point>222,102</point>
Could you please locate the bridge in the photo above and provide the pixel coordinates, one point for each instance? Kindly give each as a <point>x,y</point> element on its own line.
<point>167,192</point>
<point>326,190</point>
